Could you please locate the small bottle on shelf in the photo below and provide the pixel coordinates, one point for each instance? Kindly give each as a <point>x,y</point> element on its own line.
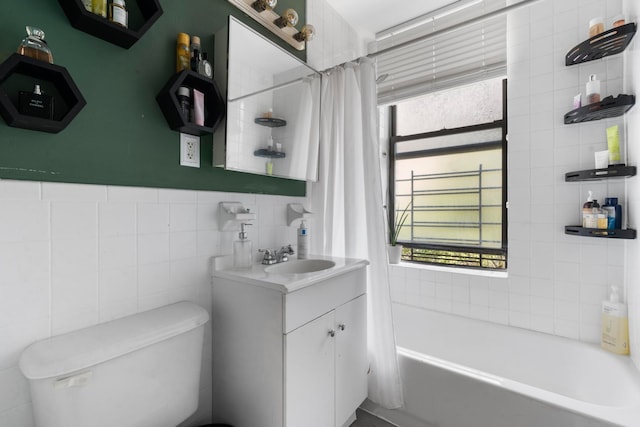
<point>204,68</point>
<point>118,13</point>
<point>195,53</point>
<point>99,7</point>
<point>593,89</point>
<point>183,57</point>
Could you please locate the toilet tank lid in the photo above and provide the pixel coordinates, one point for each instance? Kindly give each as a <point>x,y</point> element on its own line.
<point>73,351</point>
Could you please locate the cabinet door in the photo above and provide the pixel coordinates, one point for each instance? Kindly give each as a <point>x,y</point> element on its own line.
<point>351,357</point>
<point>309,374</point>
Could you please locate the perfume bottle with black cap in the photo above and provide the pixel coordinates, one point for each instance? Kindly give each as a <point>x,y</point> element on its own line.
<point>35,103</point>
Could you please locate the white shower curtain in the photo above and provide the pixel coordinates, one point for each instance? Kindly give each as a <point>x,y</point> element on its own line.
<point>348,197</point>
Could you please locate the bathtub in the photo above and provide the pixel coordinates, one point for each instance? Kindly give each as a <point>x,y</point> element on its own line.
<point>459,372</point>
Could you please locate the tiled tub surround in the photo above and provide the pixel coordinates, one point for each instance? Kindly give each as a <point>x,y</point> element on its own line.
<point>555,282</point>
<point>76,255</point>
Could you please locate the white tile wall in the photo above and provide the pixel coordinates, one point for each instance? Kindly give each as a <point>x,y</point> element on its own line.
<point>75,255</point>
<point>632,267</point>
<point>555,282</point>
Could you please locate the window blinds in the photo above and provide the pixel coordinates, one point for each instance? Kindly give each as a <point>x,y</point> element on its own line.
<point>471,53</point>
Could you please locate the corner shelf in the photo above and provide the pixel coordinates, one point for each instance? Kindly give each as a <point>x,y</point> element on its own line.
<point>607,108</point>
<point>576,230</point>
<point>271,122</point>
<point>608,43</point>
<point>269,153</point>
<point>59,77</point>
<point>83,20</point>
<point>214,105</point>
<point>617,171</point>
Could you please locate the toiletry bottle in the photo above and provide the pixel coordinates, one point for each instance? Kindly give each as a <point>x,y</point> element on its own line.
<point>184,100</point>
<point>614,213</point>
<point>34,45</point>
<point>303,241</point>
<point>615,324</point>
<point>196,51</point>
<point>118,13</point>
<point>204,69</point>
<point>99,7</point>
<point>183,57</point>
<point>587,210</point>
<point>596,26</point>
<point>613,145</point>
<point>593,89</point>
<point>35,103</point>
<point>595,212</point>
<point>242,250</point>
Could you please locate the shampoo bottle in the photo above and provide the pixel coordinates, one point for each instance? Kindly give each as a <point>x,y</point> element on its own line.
<point>303,241</point>
<point>242,250</point>
<point>615,324</point>
<point>587,211</point>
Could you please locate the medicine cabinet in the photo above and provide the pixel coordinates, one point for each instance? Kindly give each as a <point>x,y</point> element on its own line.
<point>273,107</point>
<point>605,44</point>
<point>24,72</point>
<point>142,15</point>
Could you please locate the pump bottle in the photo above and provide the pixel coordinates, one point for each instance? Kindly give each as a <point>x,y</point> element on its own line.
<point>242,250</point>
<point>303,241</point>
<point>615,324</point>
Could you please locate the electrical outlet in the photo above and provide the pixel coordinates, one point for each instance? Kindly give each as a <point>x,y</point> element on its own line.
<point>189,150</point>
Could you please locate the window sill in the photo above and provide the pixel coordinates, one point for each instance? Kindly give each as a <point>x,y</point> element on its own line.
<point>457,270</point>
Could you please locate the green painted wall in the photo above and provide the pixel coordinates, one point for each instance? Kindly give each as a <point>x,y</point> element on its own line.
<point>121,136</point>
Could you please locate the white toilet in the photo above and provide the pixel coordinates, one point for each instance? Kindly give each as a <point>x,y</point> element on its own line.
<point>138,371</point>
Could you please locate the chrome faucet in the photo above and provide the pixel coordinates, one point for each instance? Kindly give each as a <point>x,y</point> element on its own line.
<point>283,254</point>
<point>276,256</point>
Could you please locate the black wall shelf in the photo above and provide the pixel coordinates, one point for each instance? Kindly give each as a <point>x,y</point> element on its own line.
<point>576,230</point>
<point>100,27</point>
<point>66,108</point>
<point>214,105</point>
<point>608,43</point>
<point>271,122</point>
<point>617,171</point>
<point>607,108</point>
<point>269,153</point>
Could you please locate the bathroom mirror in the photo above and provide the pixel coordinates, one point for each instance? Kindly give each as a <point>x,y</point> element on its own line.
<point>273,107</point>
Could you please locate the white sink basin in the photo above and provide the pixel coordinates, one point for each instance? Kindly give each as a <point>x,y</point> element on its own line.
<point>301,266</point>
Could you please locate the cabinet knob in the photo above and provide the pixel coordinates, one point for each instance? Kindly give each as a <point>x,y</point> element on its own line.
<point>332,333</point>
<point>341,326</point>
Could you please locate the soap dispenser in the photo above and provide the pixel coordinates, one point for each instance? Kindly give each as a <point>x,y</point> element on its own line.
<point>242,250</point>
<point>615,324</point>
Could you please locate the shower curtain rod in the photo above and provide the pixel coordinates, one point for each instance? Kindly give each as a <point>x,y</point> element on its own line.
<point>405,44</point>
<point>453,27</point>
<point>442,31</point>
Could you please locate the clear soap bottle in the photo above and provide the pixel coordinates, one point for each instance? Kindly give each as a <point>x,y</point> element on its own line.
<point>242,250</point>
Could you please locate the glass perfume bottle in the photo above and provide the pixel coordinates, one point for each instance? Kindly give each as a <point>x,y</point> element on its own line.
<point>35,104</point>
<point>34,45</point>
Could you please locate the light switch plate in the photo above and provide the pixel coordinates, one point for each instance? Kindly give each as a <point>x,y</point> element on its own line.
<point>189,150</point>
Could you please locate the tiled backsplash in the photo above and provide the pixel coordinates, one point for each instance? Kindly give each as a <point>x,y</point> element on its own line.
<point>555,282</point>
<point>76,255</point>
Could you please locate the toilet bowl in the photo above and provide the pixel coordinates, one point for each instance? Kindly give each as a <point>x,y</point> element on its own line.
<point>138,371</point>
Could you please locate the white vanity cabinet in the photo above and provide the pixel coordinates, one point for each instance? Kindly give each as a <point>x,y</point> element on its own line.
<point>292,356</point>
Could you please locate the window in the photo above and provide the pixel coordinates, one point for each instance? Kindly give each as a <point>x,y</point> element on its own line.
<point>448,165</point>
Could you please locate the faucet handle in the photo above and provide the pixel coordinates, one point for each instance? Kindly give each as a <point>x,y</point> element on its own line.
<point>269,257</point>
<point>288,249</point>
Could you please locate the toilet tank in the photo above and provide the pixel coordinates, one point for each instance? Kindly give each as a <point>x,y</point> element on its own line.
<point>138,371</point>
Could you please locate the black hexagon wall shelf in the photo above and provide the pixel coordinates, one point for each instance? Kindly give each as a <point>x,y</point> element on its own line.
<point>83,20</point>
<point>214,105</point>
<point>67,106</point>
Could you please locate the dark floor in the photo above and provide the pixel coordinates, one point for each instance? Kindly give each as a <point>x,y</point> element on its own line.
<point>365,419</point>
